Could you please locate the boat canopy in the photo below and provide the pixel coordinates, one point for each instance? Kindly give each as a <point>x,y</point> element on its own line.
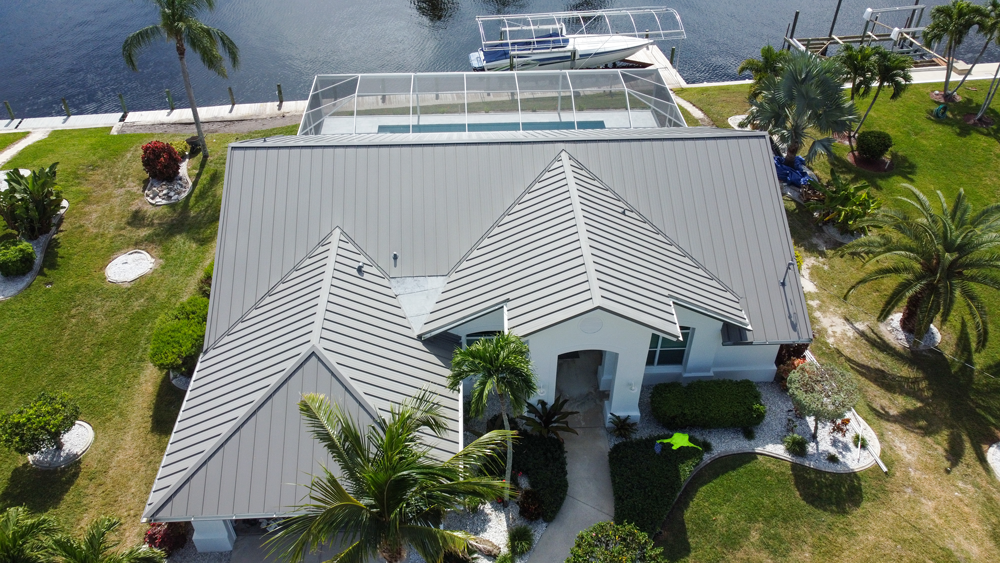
<point>457,102</point>
<point>509,32</point>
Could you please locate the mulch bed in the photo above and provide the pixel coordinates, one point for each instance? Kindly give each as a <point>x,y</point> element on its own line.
<point>984,121</point>
<point>938,97</point>
<point>883,165</point>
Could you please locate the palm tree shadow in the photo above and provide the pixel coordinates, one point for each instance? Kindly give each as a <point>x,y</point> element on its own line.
<point>194,218</point>
<point>197,177</point>
<point>903,168</point>
<point>956,112</point>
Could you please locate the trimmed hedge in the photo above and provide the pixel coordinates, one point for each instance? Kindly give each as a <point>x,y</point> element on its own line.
<point>607,542</point>
<point>38,425</point>
<point>722,403</point>
<point>873,145</point>
<point>179,336</point>
<point>16,259</point>
<point>645,483</point>
<point>543,460</point>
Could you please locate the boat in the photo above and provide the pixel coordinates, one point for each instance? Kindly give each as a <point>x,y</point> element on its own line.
<point>570,40</point>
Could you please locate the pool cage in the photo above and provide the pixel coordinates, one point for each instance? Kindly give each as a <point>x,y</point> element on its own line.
<point>473,101</point>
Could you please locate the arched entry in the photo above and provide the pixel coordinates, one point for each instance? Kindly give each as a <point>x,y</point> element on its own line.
<point>578,378</point>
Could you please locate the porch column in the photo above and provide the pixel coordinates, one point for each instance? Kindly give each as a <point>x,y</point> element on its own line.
<point>214,535</point>
<point>627,383</point>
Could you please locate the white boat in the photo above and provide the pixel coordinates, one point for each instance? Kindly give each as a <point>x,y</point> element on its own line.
<point>570,40</point>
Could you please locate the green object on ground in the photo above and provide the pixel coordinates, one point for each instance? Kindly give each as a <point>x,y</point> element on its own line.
<point>607,542</point>
<point>678,440</point>
<point>16,258</point>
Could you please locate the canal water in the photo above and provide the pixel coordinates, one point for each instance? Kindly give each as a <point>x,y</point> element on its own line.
<point>50,49</point>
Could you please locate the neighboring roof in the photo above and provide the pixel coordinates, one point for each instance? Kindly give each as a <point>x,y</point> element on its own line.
<point>568,245</point>
<point>429,198</point>
<point>332,325</point>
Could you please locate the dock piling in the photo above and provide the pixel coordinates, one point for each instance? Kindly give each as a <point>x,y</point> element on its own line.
<point>673,51</point>
<point>795,22</point>
<point>66,107</point>
<point>170,100</point>
<point>122,100</point>
<point>10,112</point>
<point>281,97</point>
<point>835,14</point>
<point>232,99</point>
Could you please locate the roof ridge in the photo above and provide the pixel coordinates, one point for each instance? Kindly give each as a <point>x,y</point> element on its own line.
<point>581,229</point>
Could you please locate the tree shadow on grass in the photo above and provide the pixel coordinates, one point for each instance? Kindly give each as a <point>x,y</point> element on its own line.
<point>904,169</point>
<point>166,406</point>
<point>950,397</point>
<point>37,489</point>
<point>837,493</point>
<point>956,112</point>
<point>194,218</point>
<point>673,536</point>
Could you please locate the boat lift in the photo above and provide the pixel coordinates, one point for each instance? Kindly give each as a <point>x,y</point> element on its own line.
<point>508,32</point>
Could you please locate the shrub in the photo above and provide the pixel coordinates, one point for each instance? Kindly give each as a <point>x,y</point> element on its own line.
<point>530,504</point>
<point>543,460</point>
<point>607,542</point>
<point>7,235</point>
<point>39,425</point>
<point>166,536</point>
<point>843,204</point>
<point>520,540</point>
<point>181,147</point>
<point>823,392</point>
<point>786,369</point>
<point>795,444</point>
<point>708,404</point>
<point>873,145</point>
<point>160,161</point>
<point>789,352</point>
<point>504,558</point>
<point>645,484</point>
<point>205,283</point>
<point>832,458</point>
<point>623,428</point>
<point>30,203</point>
<point>179,335</point>
<point>798,260</point>
<point>858,438</point>
<point>16,259</point>
<point>546,420</point>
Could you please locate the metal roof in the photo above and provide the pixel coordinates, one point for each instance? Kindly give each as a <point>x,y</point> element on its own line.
<point>331,324</point>
<point>568,245</point>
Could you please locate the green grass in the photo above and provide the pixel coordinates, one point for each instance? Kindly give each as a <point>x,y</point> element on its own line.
<point>8,139</point>
<point>719,103</point>
<point>72,331</point>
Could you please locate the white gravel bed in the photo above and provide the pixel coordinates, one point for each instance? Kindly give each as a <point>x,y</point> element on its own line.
<point>903,338</point>
<point>129,267</point>
<point>779,421</point>
<point>159,192</point>
<point>993,457</point>
<point>76,442</point>
<point>189,554</point>
<point>11,286</point>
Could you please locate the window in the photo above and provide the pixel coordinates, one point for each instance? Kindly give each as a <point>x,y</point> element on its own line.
<point>473,337</point>
<point>666,352</point>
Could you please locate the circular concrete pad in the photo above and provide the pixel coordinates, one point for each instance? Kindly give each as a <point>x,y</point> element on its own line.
<point>129,267</point>
<point>76,442</point>
<point>735,120</point>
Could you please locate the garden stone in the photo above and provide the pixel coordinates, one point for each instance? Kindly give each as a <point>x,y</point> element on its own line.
<point>129,266</point>
<point>75,443</point>
<point>485,546</point>
<point>159,192</point>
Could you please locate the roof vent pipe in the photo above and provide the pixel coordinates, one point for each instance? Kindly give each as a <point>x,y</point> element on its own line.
<point>361,268</point>
<point>395,257</point>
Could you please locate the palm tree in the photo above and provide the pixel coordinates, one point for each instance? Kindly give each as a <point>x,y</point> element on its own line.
<point>859,64</point>
<point>97,547</point>
<point>992,21</point>
<point>392,493</point>
<point>951,22</point>
<point>939,260</point>
<point>987,25</point>
<point>892,70</point>
<point>179,25</point>
<point>771,63</point>
<point>499,365</point>
<point>806,97</point>
<point>23,539</point>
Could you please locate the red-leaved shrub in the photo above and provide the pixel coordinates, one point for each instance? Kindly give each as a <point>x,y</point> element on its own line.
<point>168,536</point>
<point>160,161</point>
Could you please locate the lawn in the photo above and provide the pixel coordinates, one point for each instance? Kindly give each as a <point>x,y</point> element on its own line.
<point>934,413</point>
<point>72,331</point>
<point>8,139</point>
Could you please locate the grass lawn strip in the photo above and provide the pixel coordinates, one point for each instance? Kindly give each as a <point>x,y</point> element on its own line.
<point>8,139</point>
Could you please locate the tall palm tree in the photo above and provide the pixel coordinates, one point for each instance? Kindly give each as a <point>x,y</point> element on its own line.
<point>179,25</point>
<point>892,70</point>
<point>96,546</point>
<point>771,63</point>
<point>992,22</point>
<point>951,23</point>
<point>392,493</point>
<point>499,365</point>
<point>807,97</point>
<point>859,66</point>
<point>23,539</point>
<point>939,260</point>
<point>987,25</point>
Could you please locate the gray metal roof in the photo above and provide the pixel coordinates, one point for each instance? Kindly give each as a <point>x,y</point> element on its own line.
<point>568,245</point>
<point>331,325</point>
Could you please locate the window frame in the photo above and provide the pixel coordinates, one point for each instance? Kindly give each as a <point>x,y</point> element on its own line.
<point>655,361</point>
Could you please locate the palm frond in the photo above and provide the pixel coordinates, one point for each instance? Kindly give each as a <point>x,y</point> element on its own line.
<point>137,41</point>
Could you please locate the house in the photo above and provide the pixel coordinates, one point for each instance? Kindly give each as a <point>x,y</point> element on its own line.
<point>353,264</point>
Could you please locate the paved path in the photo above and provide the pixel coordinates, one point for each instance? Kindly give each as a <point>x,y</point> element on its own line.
<point>589,500</point>
<point>11,151</point>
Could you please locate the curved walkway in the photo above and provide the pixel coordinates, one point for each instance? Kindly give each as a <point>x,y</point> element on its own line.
<point>11,151</point>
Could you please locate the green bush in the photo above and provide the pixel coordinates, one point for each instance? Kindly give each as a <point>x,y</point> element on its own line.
<point>205,283</point>
<point>872,145</point>
<point>38,425</point>
<point>7,235</point>
<point>543,460</point>
<point>721,403</point>
<point>16,259</point>
<point>520,540</point>
<point>529,504</point>
<point>645,484</point>
<point>607,542</point>
<point>30,203</point>
<point>179,336</point>
<point>795,444</point>
<point>843,204</point>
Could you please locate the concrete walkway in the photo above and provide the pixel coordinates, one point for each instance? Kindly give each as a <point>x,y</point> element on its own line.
<point>11,151</point>
<point>589,500</point>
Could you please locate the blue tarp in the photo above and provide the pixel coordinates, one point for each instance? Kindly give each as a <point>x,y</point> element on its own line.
<point>796,176</point>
